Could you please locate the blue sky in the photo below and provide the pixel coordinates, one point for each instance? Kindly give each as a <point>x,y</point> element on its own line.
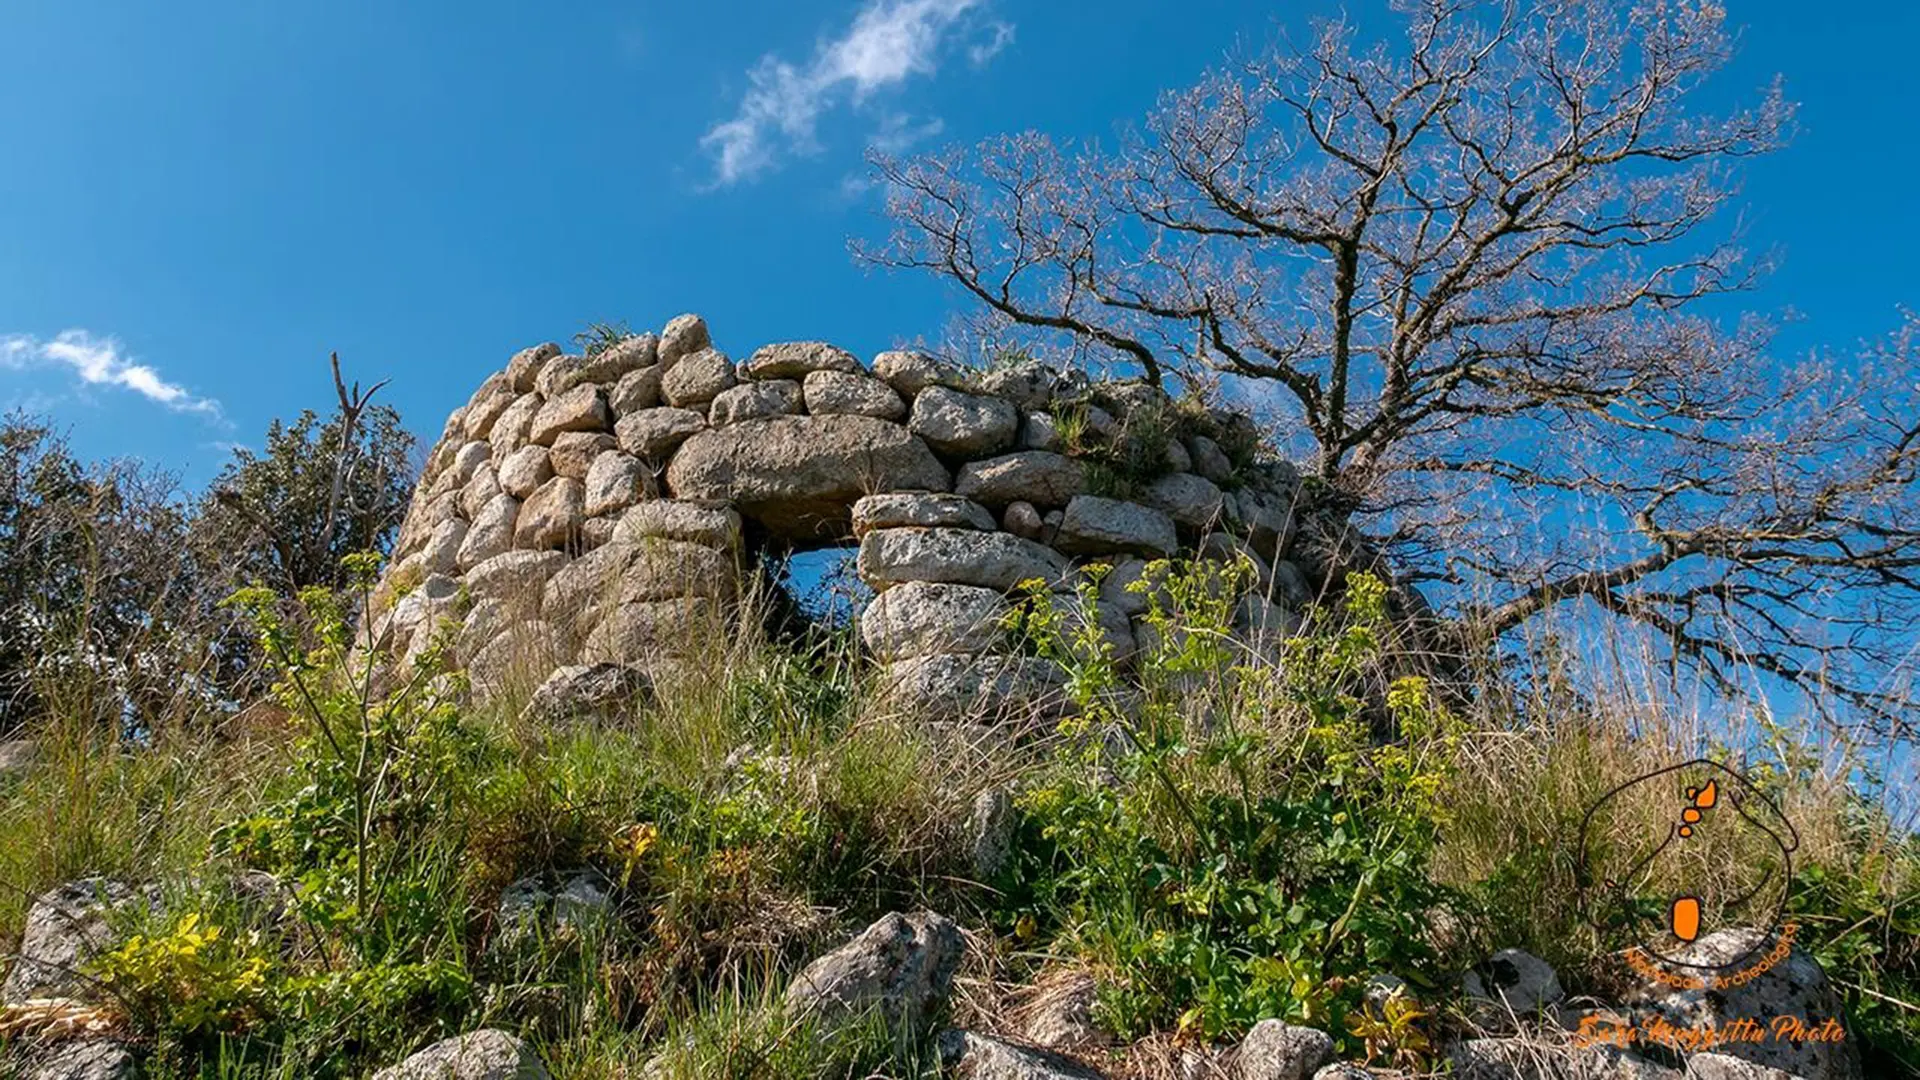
<point>200,200</point>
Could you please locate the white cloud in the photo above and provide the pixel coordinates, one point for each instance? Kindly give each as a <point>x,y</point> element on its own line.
<point>984,51</point>
<point>101,362</point>
<point>889,42</point>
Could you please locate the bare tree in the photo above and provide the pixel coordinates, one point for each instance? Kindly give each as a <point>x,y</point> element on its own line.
<point>1482,272</point>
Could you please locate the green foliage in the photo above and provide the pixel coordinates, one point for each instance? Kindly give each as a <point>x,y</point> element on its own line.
<point>600,336</point>
<point>1241,848</point>
<point>191,978</point>
<point>320,491</point>
<point>1862,922</point>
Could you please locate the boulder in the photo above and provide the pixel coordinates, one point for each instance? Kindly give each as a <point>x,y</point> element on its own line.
<point>697,379</point>
<point>486,1054</point>
<point>491,532</point>
<point>573,453</point>
<point>1711,1066</point>
<point>683,336</point>
<point>616,481</point>
<point>665,569</point>
<point>1040,431</point>
<point>1028,385</point>
<point>925,618</point>
<point>514,577</point>
<point>996,560</point>
<point>1795,986</point>
<point>514,427</point>
<point>653,434</point>
<point>85,1058</point>
<point>593,693</point>
<point>1209,460</point>
<point>525,470</point>
<point>552,516</point>
<point>901,967</point>
<point>558,375</point>
<point>1022,520</point>
<point>1192,501</point>
<point>979,689</point>
<point>1040,477</point>
<point>797,475</point>
<point>1515,981</point>
<point>1060,1016</point>
<point>963,425</point>
<point>797,360</point>
<point>1094,525</point>
<point>1266,519</point>
<point>66,928</point>
<point>1178,460</point>
<point>480,490</point>
<point>635,633</point>
<point>1533,1059</point>
<point>541,911</point>
<point>441,555</point>
<point>919,508</point>
<point>1276,1050</point>
<point>615,362</point>
<point>17,756</point>
<point>829,393</point>
<point>668,519</point>
<point>635,391</point>
<point>517,652</point>
<point>583,408</point>
<point>469,457</point>
<point>525,366</point>
<point>751,401</point>
<point>579,592</point>
<point>990,831</point>
<point>972,1056</point>
<point>1290,585</point>
<point>911,372</point>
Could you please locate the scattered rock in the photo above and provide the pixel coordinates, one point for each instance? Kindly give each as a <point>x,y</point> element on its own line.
<point>990,831</point>
<point>996,560</point>
<point>1209,460</point>
<point>902,966</point>
<point>1711,1066</point>
<point>66,927</point>
<point>919,508</point>
<point>1341,1070</point>
<point>1095,525</point>
<point>925,618</point>
<point>590,693</point>
<point>835,392</point>
<point>1530,1059</point>
<point>1040,477</point>
<point>482,1055</point>
<point>17,756</point>
<point>1516,981</point>
<point>963,425</point>
<point>797,360</point>
<point>1040,432</point>
<point>697,378</point>
<point>978,1057</point>
<point>1276,1050</point>
<point>1060,1014</point>
<point>1796,986</point>
<point>798,475</point>
<point>535,911</point>
<point>85,1058</point>
<point>654,433</point>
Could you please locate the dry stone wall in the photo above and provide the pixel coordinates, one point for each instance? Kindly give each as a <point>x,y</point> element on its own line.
<point>602,508</point>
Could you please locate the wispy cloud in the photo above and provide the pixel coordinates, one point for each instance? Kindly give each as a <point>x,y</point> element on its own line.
<point>101,361</point>
<point>888,42</point>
